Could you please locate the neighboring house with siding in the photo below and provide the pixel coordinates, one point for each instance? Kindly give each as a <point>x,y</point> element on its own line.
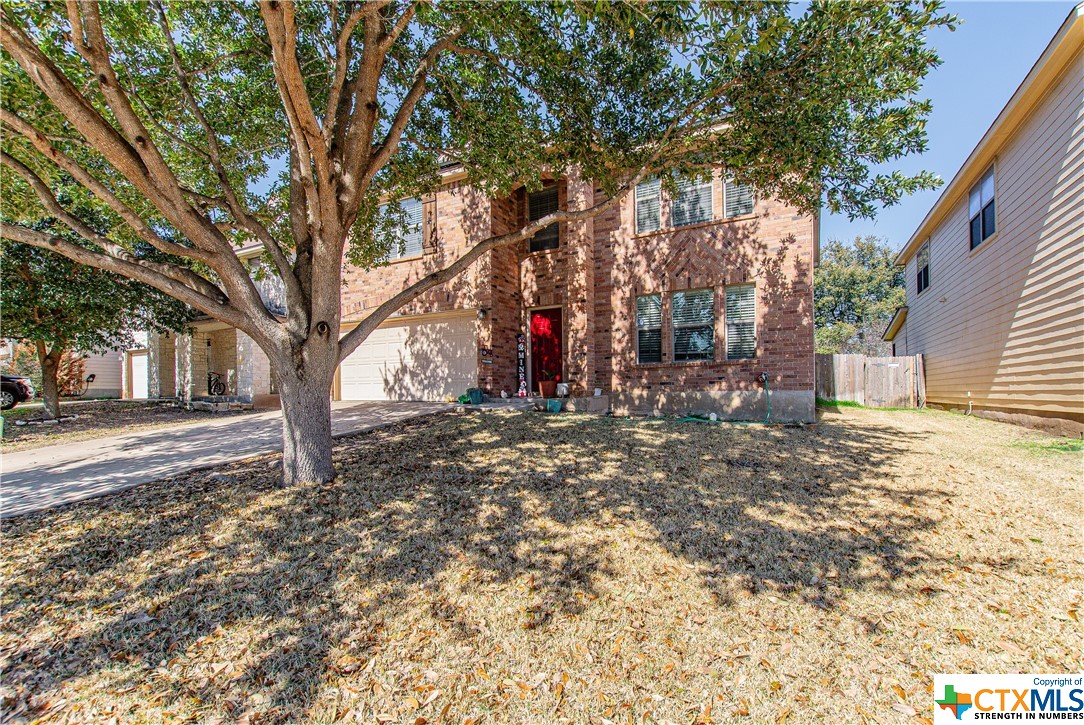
<point>662,304</point>
<point>995,272</point>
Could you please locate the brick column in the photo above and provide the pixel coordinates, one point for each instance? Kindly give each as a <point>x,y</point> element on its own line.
<point>183,367</point>
<point>580,305</point>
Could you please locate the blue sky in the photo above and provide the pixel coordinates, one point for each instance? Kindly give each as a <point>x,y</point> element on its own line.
<point>985,60</point>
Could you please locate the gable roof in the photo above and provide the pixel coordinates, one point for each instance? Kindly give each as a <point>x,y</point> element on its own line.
<point>1062,49</point>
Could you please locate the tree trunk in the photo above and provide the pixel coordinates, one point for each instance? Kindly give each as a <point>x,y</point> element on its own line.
<point>306,424</point>
<point>50,391</point>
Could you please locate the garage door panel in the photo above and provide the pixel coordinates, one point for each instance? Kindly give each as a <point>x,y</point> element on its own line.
<point>414,360</point>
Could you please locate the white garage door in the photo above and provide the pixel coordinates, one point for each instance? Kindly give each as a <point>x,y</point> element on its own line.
<point>427,358</point>
<point>139,374</point>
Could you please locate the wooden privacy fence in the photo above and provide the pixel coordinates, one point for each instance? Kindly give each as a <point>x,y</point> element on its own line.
<point>876,382</point>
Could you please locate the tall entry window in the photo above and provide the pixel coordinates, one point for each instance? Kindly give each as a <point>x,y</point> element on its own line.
<point>539,204</point>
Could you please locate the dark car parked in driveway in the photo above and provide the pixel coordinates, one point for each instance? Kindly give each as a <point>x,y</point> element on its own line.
<point>14,389</point>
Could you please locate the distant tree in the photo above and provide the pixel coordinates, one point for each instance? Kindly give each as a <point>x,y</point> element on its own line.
<point>71,369</point>
<point>60,306</point>
<point>857,289</point>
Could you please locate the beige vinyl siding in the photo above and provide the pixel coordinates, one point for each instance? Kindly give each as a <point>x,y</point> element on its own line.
<point>1005,321</point>
<point>108,375</point>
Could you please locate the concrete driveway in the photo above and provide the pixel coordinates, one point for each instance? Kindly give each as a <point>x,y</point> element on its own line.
<point>55,475</point>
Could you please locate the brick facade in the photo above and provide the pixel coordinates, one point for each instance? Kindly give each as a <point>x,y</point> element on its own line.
<point>594,277</point>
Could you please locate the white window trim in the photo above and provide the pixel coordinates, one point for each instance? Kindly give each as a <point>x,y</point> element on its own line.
<point>991,169</point>
<point>918,270</point>
<point>636,213</point>
<point>710,183</point>
<point>674,327</point>
<point>724,195</point>
<point>726,328</point>
<point>662,318</point>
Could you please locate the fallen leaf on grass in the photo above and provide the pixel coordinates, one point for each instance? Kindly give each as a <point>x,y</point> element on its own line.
<point>1010,647</point>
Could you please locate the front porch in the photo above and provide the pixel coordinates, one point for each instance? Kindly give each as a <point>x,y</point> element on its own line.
<point>214,365</point>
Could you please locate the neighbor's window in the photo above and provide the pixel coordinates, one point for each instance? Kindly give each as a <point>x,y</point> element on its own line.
<point>738,199</point>
<point>692,203</point>
<point>539,204</point>
<point>741,326</point>
<point>981,209</point>
<point>647,206</point>
<point>922,261</point>
<point>649,329</point>
<point>409,243</point>
<point>692,314</point>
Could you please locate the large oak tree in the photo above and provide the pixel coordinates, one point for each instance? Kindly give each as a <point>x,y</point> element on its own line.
<point>174,117</point>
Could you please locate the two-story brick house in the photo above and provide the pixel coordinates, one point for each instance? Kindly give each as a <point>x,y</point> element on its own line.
<point>662,304</point>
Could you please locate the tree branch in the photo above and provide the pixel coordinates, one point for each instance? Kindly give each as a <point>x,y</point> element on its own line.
<point>221,311</point>
<point>96,187</point>
<point>406,109</point>
<point>77,225</point>
<point>214,155</point>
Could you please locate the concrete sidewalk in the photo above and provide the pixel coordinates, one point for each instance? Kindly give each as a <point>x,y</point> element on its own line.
<point>47,477</point>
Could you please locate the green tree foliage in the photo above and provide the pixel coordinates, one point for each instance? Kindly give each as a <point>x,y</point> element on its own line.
<point>60,307</point>
<point>174,118</point>
<point>857,288</point>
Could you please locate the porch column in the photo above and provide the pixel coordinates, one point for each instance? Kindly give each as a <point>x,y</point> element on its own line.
<point>154,365</point>
<point>253,369</point>
<point>183,367</point>
<point>580,304</point>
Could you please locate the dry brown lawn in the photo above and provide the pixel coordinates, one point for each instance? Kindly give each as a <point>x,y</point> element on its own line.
<point>493,568</point>
<point>96,420</point>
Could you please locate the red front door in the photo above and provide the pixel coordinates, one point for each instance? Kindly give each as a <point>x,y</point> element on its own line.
<point>545,346</point>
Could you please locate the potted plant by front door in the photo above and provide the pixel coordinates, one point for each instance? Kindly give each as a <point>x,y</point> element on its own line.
<point>547,386</point>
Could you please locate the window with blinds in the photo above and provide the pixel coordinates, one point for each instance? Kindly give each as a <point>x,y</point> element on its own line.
<point>982,209</point>
<point>692,315</point>
<point>539,204</point>
<point>741,315</point>
<point>409,243</point>
<point>649,329</point>
<point>922,261</point>
<point>647,206</point>
<point>692,203</point>
<point>738,199</point>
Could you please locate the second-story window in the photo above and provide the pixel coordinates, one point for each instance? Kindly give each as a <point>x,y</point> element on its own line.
<point>539,204</point>
<point>738,199</point>
<point>692,203</point>
<point>981,209</point>
<point>409,243</point>
<point>922,261</point>
<point>647,206</point>
<point>692,314</point>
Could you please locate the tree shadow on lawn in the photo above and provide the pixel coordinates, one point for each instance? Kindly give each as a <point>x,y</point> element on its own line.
<point>468,501</point>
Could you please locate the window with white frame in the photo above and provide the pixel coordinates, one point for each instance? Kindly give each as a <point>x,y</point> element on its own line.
<point>922,262</point>
<point>692,316</point>
<point>692,203</point>
<point>648,218</point>
<point>981,209</point>
<point>649,329</point>
<point>409,239</point>
<point>738,199</point>
<point>741,328</point>
<point>539,204</point>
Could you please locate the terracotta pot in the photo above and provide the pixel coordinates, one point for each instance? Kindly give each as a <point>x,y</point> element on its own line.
<point>548,388</point>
